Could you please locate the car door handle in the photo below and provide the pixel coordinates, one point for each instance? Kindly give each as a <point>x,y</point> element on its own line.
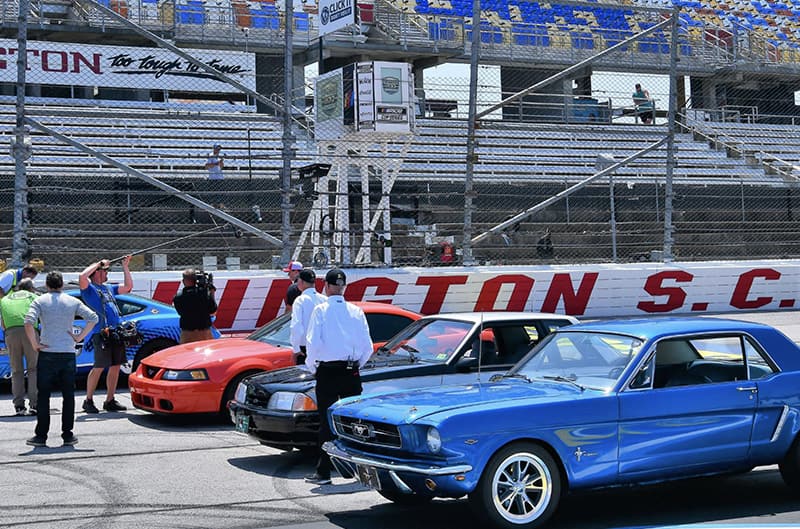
<point>751,389</point>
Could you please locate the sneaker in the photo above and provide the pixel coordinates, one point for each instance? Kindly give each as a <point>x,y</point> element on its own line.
<point>316,479</point>
<point>70,440</point>
<point>31,411</point>
<point>113,405</point>
<point>89,407</point>
<point>36,441</point>
<point>19,410</point>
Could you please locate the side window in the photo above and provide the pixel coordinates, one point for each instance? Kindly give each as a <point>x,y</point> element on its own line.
<point>384,326</point>
<point>757,365</point>
<point>717,359</point>
<point>126,308</point>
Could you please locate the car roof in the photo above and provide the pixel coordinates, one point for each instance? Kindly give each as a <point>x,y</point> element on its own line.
<point>370,307</point>
<point>657,327</point>
<point>493,317</point>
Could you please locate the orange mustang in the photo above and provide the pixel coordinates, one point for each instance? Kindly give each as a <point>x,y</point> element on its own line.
<point>201,377</point>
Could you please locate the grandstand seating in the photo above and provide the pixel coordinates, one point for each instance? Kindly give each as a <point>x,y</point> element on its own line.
<point>173,148</point>
<point>768,29</point>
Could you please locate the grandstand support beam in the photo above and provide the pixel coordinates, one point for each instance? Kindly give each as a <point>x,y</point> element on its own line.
<point>570,190</point>
<point>572,69</point>
<point>156,183</point>
<point>287,137</point>
<point>670,162</point>
<point>187,57</point>
<point>20,249</point>
<point>467,259</point>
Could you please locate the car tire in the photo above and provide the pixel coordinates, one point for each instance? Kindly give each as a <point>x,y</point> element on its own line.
<point>519,488</point>
<point>230,392</point>
<point>153,346</point>
<point>790,466</point>
<point>407,500</point>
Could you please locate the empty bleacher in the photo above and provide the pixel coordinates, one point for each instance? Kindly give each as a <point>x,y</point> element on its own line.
<point>76,198</point>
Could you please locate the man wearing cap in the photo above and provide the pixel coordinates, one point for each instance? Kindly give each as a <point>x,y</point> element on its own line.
<point>107,354</point>
<point>293,269</point>
<point>10,278</point>
<point>337,346</point>
<point>302,308</point>
<point>215,163</point>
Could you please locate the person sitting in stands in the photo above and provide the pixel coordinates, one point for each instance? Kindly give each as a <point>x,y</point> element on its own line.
<point>643,103</point>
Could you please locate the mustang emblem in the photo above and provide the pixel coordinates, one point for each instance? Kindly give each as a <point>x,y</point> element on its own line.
<point>579,453</point>
<point>362,430</point>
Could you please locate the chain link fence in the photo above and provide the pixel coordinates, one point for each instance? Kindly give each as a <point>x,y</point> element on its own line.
<point>578,170</point>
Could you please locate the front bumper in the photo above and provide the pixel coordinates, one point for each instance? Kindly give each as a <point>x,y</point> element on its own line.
<point>280,429</point>
<point>406,477</point>
<point>168,396</point>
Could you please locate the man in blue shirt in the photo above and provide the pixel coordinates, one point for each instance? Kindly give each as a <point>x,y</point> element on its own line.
<point>107,354</point>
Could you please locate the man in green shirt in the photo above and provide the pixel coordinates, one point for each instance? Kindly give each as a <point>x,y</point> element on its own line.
<point>13,308</point>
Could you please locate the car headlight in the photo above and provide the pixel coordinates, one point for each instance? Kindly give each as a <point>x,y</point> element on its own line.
<point>185,374</point>
<point>434,440</point>
<point>290,401</point>
<point>241,393</point>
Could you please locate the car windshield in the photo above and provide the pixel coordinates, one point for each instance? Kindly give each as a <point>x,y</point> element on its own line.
<point>589,359</point>
<point>276,332</point>
<point>432,340</point>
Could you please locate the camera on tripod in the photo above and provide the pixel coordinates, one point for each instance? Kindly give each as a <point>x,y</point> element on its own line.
<point>204,280</point>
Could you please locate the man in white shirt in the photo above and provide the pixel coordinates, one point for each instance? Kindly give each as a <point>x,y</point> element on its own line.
<point>338,344</point>
<point>301,312</point>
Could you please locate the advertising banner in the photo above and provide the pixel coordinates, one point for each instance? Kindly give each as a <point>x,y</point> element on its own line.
<point>249,299</point>
<point>335,15</point>
<point>64,63</point>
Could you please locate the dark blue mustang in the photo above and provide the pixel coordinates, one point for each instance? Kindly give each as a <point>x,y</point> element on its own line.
<point>593,405</point>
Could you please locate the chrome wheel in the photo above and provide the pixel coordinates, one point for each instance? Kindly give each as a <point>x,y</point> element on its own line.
<point>522,488</point>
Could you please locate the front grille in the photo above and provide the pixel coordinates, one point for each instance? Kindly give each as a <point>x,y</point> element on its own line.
<point>368,432</point>
<point>150,371</point>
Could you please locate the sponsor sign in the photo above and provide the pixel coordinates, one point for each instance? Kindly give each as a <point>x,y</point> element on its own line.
<point>250,299</point>
<point>391,79</point>
<point>335,15</point>
<point>329,100</point>
<point>366,96</point>
<point>63,63</point>
<point>393,114</point>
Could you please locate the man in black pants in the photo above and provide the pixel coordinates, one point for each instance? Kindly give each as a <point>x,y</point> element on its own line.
<point>338,344</point>
<point>56,312</point>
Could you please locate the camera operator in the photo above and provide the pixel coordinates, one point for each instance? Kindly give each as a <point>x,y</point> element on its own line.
<point>195,305</point>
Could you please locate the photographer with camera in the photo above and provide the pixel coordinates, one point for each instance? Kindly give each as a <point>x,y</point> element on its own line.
<point>195,305</point>
<point>108,353</point>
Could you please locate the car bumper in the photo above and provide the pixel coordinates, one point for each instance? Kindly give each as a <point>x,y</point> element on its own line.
<point>407,477</point>
<point>276,428</point>
<point>173,397</point>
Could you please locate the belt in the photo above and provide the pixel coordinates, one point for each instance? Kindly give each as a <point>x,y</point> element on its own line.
<point>345,364</point>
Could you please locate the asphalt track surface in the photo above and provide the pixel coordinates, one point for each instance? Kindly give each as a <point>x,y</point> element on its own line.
<point>134,470</point>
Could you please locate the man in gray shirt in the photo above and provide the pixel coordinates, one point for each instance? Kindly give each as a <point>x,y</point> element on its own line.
<point>56,311</point>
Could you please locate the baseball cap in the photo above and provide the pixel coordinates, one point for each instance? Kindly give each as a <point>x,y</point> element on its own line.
<point>103,266</point>
<point>307,275</point>
<point>217,146</point>
<point>335,277</point>
<point>293,265</point>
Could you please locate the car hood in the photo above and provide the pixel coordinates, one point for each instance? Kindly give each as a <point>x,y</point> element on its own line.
<point>378,368</point>
<point>197,354</point>
<point>408,406</point>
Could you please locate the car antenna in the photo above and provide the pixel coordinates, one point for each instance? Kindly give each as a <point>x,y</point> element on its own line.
<point>480,348</point>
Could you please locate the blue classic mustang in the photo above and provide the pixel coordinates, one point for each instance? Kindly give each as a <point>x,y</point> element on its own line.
<point>157,322</point>
<point>593,405</point>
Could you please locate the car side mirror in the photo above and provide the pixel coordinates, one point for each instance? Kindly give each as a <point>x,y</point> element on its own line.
<point>466,363</point>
